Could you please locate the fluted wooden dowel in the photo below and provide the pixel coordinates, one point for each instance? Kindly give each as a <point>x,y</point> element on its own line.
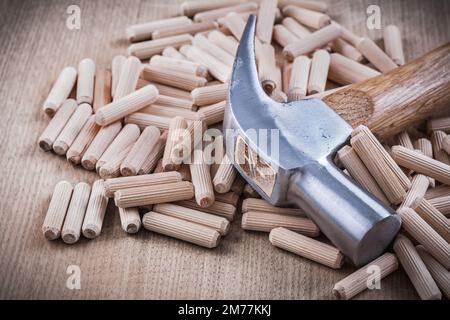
<point>442,204</point>
<point>283,36</point>
<point>210,94</point>
<point>116,69</point>
<point>82,141</point>
<point>218,208</point>
<point>192,29</point>
<point>298,84</point>
<point>439,124</point>
<point>299,30</point>
<point>172,78</point>
<point>201,179</point>
<point>177,127</point>
<point>217,13</point>
<point>393,44</point>
<point>347,50</point>
<point>416,270</point>
<point>428,212</point>
<point>224,176</point>
<point>229,198</point>
<point>260,205</point>
<point>191,7</point>
<point>111,167</point>
<point>439,191</point>
<point>309,18</point>
<point>320,64</point>
<point>143,31</point>
<point>146,49</point>
<point>266,19</point>
<point>440,275</point>
<point>306,247</point>
<point>264,222</point>
<point>60,91</point>
<point>181,229</point>
<point>214,113</point>
<point>129,75</point>
<point>102,89</point>
<point>179,65</point>
<point>437,141</point>
<point>345,71</point>
<point>95,212</point>
<point>56,212</point>
<point>229,44</point>
<point>375,55</point>
<point>85,81</point>
<point>130,220</point>
<point>414,196</point>
<point>144,120</point>
<point>358,281</point>
<point>220,224</point>
<point>75,213</point>
<point>217,52</point>
<point>267,67</point>
<point>189,140</point>
<point>156,154</point>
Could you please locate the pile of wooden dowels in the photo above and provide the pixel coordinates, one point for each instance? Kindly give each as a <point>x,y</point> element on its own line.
<point>131,122</point>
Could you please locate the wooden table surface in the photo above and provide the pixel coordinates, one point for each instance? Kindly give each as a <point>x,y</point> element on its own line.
<point>35,46</point>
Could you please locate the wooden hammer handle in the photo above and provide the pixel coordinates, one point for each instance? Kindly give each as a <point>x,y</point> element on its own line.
<point>390,103</point>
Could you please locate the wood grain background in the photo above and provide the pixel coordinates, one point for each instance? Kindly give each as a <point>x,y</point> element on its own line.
<point>35,46</point>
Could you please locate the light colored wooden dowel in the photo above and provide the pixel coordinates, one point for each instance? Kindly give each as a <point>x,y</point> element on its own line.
<point>156,154</point>
<point>440,191</point>
<point>111,168</point>
<point>424,146</point>
<point>181,229</point>
<point>359,280</point>
<point>279,96</point>
<point>140,151</point>
<point>177,126</point>
<point>130,220</point>
<point>347,50</point>
<point>191,7</point>
<point>266,20</point>
<point>346,71</point>
<point>144,120</point>
<point>166,101</point>
<point>287,70</point>
<point>161,193</point>
<point>147,49</point>
<point>264,222</point>
<point>102,90</point>
<point>307,4</point>
<point>405,140</point>
<point>434,217</point>
<point>189,139</point>
<point>170,112</point>
<point>416,270</point>
<point>95,212</point>
<point>224,177</point>
<point>306,247</point>
<point>210,94</point>
<point>229,44</point>
<point>116,70</point>
<point>415,195</point>
<point>57,124</point>
<point>439,124</point>
<point>283,36</point>
<point>72,128</point>
<point>404,180</point>
<point>421,231</point>
<point>217,52</point>
<point>126,138</point>
<point>71,230</point>
<point>260,205</point>
<point>229,198</point>
<point>85,81</point>
<point>393,44</point>
<point>100,143</point>
<point>214,113</point>
<point>173,78</point>
<point>141,32</point>
<point>122,183</point>
<point>201,179</point>
<point>437,139</point>
<point>218,208</point>
<point>348,35</point>
<point>129,75</point>
<point>267,67</point>
<point>60,91</point>
<point>171,52</point>
<point>217,13</point>
<point>82,141</point>
<point>296,28</point>
<point>420,163</point>
<point>375,162</point>
<point>190,29</point>
<point>309,18</point>
<point>220,224</point>
<point>178,65</point>
<point>56,212</point>
<point>298,84</point>
<point>311,42</point>
<point>320,64</point>
<point>250,192</point>
<point>216,68</point>
<point>358,171</point>
<point>375,55</point>
<point>440,275</point>
<point>126,105</point>
<point>442,204</point>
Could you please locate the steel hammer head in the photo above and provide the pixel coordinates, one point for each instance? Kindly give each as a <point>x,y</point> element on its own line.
<point>285,151</point>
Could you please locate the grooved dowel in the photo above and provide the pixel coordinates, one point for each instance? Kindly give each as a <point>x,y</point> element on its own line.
<point>126,105</point>
<point>57,124</point>
<point>95,212</point>
<point>437,141</point>
<point>129,75</point>
<point>143,31</point>
<point>75,214</point>
<point>309,18</point>
<point>177,127</point>
<point>146,49</point>
<point>172,78</point>
<point>264,222</point>
<point>229,44</point>
<point>57,210</point>
<point>210,94</point>
<point>130,220</point>
<point>179,65</point>
<point>416,269</point>
<point>116,70</point>
<point>201,179</point>
<point>261,205</point>
<point>102,90</point>
<point>440,275</point>
<point>218,208</point>
<point>298,84</point>
<point>358,281</point>
<point>428,212</point>
<point>283,36</point>
<point>393,44</point>
<point>220,224</point>
<point>306,247</point>
<point>220,12</point>
<point>266,19</point>
<point>85,81</point>
<point>111,168</point>
<point>156,154</point>
<point>161,193</point>
<point>375,55</point>
<point>224,176</point>
<point>60,91</point>
<point>181,229</point>
<point>415,195</point>
<point>72,128</point>
<point>82,141</point>
<point>347,71</point>
<point>192,29</point>
<point>214,113</point>
<point>320,64</point>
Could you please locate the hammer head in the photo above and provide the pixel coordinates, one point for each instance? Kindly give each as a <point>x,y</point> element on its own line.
<point>286,150</point>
